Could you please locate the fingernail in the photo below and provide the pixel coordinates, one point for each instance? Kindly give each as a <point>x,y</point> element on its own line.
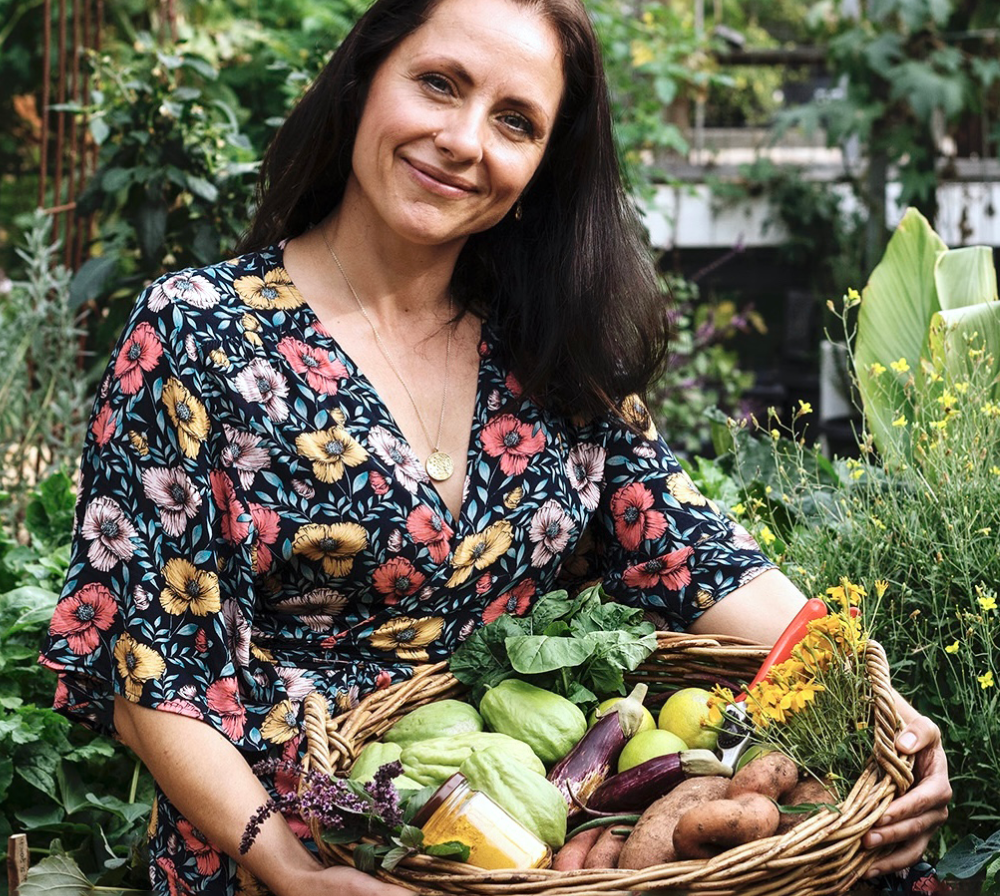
<point>874,839</point>
<point>885,819</point>
<point>907,741</point>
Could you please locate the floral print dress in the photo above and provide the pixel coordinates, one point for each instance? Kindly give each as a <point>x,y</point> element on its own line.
<point>252,526</point>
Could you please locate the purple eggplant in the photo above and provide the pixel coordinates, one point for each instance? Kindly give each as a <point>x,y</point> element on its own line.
<point>639,787</point>
<point>581,771</point>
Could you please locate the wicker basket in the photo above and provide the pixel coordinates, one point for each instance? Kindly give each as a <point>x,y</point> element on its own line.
<point>822,855</point>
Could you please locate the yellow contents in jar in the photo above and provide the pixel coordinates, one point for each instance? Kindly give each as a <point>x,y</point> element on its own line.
<point>495,840</point>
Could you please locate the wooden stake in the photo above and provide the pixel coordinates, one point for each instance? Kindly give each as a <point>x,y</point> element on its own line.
<point>17,862</point>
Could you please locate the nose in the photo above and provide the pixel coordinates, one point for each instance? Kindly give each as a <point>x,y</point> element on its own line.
<point>461,135</point>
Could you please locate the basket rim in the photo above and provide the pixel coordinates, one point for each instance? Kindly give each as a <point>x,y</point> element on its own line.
<point>780,864</point>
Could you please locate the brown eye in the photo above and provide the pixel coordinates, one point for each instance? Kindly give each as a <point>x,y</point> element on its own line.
<point>518,123</point>
<point>436,83</point>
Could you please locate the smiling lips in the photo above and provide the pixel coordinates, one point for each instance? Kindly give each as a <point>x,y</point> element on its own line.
<point>437,181</point>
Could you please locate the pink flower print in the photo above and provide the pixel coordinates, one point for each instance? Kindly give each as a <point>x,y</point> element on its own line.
<point>243,452</point>
<point>515,602</point>
<point>237,634</point>
<point>669,570</point>
<point>426,527</point>
<point>318,608</point>
<point>298,685</point>
<point>223,697</point>
<point>191,288</point>
<point>634,521</point>
<point>174,495</point>
<point>321,372</point>
<point>260,382</point>
<point>395,453</point>
<point>81,617</point>
<point>550,530</point>
<point>585,470</point>
<point>266,528</point>
<point>484,583</point>
<point>205,855</point>
<point>139,354</point>
<point>494,401</point>
<point>397,578</point>
<point>379,484</point>
<point>512,441</point>
<point>234,530</point>
<point>181,708</point>
<point>513,386</point>
<point>110,534</point>
<point>104,426</point>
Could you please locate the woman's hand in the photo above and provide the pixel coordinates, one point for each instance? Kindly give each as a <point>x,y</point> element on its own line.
<point>910,820</point>
<point>340,881</point>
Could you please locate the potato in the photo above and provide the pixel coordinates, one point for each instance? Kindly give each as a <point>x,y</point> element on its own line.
<point>575,850</point>
<point>772,775</point>
<point>713,827</point>
<point>808,791</point>
<point>605,853</point>
<point>652,840</point>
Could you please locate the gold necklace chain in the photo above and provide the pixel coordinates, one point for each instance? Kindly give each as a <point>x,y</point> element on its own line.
<point>439,465</point>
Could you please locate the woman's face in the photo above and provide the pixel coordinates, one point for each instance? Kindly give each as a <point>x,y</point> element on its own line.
<point>456,120</point>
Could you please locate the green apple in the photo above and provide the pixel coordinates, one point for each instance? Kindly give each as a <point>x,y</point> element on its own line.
<point>648,745</point>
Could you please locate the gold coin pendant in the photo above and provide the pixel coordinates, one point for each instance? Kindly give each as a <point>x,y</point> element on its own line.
<point>439,466</point>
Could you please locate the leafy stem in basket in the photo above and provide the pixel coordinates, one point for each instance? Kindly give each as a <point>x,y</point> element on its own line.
<point>579,648</point>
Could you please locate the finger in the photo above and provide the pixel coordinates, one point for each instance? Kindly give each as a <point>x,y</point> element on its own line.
<point>898,859</point>
<point>918,828</point>
<point>921,732</point>
<point>927,797</point>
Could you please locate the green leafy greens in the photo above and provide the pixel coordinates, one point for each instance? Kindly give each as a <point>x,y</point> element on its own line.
<point>578,648</point>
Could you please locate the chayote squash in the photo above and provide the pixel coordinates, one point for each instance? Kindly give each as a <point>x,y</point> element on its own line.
<point>445,718</point>
<point>548,723</point>
<point>372,757</point>
<point>525,795</point>
<point>434,761</point>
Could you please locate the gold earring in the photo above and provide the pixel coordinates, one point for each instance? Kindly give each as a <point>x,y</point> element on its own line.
<point>518,210</point>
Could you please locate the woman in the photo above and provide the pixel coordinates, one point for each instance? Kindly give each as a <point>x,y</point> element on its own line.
<point>399,413</point>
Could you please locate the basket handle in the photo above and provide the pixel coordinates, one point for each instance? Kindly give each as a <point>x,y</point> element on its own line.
<point>887,722</point>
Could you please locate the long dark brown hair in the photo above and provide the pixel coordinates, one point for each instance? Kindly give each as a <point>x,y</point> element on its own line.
<point>570,286</point>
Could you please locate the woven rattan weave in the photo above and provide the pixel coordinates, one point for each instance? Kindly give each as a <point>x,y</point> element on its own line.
<point>822,855</point>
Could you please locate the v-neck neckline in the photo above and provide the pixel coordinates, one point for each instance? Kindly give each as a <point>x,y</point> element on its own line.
<point>316,325</point>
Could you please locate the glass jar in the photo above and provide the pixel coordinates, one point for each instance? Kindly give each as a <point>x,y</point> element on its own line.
<point>495,839</point>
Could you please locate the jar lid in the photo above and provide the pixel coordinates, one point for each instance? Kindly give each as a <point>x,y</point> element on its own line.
<point>437,798</point>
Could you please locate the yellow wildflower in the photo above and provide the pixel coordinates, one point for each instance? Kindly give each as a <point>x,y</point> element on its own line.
<point>881,586</point>
<point>642,54</point>
<point>995,470</point>
<point>900,366</point>
<point>739,509</point>
<point>986,679</point>
<point>938,424</point>
<point>946,398</point>
<point>961,388</point>
<point>847,593</point>
<point>878,524</point>
<point>852,298</point>
<point>767,536</point>
<point>952,648</point>
<point>876,370</point>
<point>987,603</point>
<point>804,408</point>
<point>900,420</point>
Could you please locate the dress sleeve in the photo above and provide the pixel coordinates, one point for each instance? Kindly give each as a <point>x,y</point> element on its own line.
<point>159,594</point>
<point>658,542</point>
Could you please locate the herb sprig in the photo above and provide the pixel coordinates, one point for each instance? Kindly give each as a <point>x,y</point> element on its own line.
<point>578,648</point>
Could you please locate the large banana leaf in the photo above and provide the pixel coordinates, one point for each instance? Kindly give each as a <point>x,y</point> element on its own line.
<point>965,277</point>
<point>956,331</point>
<point>896,309</point>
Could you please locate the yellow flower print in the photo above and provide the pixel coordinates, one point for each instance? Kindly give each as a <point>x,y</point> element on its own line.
<point>684,490</point>
<point>513,497</point>
<point>407,636</point>
<point>330,450</point>
<point>187,414</point>
<point>634,413</point>
<point>250,327</point>
<point>334,545</point>
<point>281,724</point>
<point>275,291</point>
<point>189,589</point>
<point>480,550</point>
<point>137,664</point>
<point>139,442</point>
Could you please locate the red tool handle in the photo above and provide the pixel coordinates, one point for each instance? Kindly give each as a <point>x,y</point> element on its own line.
<point>813,609</point>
